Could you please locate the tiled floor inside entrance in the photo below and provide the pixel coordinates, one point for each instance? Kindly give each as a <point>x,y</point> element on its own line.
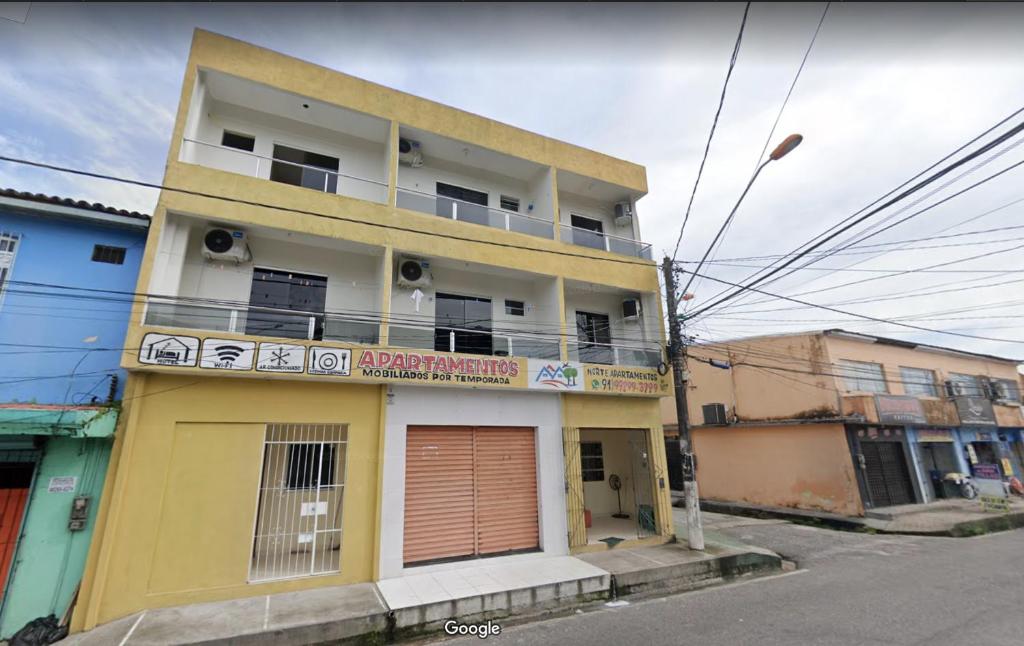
<point>477,578</point>
<point>607,527</point>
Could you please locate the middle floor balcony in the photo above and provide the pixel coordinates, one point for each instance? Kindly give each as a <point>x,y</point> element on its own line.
<point>274,284</point>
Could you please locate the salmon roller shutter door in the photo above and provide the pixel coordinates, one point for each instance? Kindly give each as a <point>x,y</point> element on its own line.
<point>506,478</point>
<point>439,493</point>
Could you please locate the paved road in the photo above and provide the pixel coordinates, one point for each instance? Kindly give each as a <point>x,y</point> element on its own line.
<point>851,589</point>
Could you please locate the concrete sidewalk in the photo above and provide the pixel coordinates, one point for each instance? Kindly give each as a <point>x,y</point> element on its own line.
<point>515,588</point>
<point>954,518</point>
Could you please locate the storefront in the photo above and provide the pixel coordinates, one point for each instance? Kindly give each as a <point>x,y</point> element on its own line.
<point>488,488</point>
<point>882,455</point>
<point>938,454</point>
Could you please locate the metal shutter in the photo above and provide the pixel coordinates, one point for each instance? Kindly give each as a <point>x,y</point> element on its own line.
<point>506,476</point>
<point>439,493</point>
<point>469,491</point>
<point>886,473</point>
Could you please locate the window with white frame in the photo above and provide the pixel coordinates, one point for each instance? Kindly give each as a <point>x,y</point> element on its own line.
<point>8,247</point>
<point>862,376</point>
<point>918,381</point>
<point>298,520</point>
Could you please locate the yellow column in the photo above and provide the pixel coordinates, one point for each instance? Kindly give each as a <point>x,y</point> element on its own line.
<point>393,164</point>
<point>563,339</point>
<point>387,273</point>
<point>554,203</point>
<point>662,496</point>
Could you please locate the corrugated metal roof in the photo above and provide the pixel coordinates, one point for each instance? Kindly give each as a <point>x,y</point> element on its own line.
<point>67,201</point>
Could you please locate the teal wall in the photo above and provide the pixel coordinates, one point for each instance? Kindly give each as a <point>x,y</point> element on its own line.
<point>50,559</point>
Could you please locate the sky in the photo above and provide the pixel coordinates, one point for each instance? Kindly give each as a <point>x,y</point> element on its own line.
<point>887,90</point>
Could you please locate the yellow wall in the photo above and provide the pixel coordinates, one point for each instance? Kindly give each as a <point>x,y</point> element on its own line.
<point>213,51</point>
<point>181,514</point>
<point>805,466</point>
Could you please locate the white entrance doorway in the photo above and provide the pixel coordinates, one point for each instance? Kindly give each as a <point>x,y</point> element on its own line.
<point>618,495</point>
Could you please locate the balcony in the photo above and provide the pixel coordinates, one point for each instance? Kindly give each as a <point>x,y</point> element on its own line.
<point>262,321</point>
<point>605,242</point>
<point>316,178</point>
<point>289,139</point>
<point>462,211</point>
<point>599,215</point>
<point>612,326</point>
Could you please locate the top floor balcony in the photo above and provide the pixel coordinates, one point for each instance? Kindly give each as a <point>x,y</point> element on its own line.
<point>243,127</point>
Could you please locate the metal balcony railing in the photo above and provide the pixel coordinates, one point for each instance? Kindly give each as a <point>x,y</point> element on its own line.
<point>262,321</point>
<point>453,209</point>
<point>503,344</point>
<point>605,242</point>
<point>647,355</point>
<point>244,162</point>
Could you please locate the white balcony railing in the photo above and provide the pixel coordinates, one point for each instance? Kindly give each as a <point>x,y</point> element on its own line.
<point>244,162</point>
<point>453,209</point>
<point>262,321</point>
<point>289,324</point>
<point>647,355</point>
<point>605,242</point>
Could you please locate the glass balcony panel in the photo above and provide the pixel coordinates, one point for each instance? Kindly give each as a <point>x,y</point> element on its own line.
<point>337,329</point>
<point>195,317</point>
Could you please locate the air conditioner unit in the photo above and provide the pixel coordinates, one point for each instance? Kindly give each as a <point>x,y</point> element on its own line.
<point>409,152</point>
<point>623,214</point>
<point>220,243</point>
<point>631,309</point>
<point>955,389</point>
<point>413,273</point>
<point>714,414</point>
<point>988,389</point>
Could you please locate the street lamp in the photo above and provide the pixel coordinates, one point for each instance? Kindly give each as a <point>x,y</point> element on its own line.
<point>677,354</point>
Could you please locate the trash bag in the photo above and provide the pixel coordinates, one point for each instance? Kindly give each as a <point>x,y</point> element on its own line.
<point>40,632</point>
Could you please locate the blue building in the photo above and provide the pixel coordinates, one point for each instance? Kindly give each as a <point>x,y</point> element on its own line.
<point>67,273</point>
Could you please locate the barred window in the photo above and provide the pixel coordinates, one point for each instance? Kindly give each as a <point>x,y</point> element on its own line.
<point>108,254</point>
<point>592,461</point>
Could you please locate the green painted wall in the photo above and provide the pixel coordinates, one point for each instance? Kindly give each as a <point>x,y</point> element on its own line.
<point>49,562</point>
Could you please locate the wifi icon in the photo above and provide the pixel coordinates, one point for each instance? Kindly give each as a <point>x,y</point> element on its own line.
<point>228,353</point>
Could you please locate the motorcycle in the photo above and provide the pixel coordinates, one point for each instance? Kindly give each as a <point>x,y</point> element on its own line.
<point>964,483</point>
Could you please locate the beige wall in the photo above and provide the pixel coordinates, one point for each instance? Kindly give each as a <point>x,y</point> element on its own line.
<point>771,378</point>
<point>807,466</point>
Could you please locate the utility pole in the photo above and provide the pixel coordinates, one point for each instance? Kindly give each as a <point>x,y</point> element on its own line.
<point>677,358</point>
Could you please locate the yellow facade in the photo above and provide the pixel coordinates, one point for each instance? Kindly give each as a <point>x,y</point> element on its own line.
<point>178,527</point>
<point>177,524</point>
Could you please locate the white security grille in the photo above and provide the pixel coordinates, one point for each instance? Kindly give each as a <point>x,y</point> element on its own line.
<point>298,523</point>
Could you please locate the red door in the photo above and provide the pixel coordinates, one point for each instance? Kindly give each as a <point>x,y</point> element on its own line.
<point>15,479</point>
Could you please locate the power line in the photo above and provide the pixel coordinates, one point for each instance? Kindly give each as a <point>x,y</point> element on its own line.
<point>853,314</point>
<point>844,224</point>
<point>934,177</point>
<point>728,223</point>
<point>714,124</point>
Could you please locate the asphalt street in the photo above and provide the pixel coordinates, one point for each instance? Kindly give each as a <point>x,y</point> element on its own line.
<point>849,589</point>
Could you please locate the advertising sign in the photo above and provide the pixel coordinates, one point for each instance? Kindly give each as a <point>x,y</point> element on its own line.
<point>554,375</point>
<point>896,409</point>
<point>169,350</point>
<point>281,357</point>
<point>227,354</point>
<point>622,380</point>
<point>362,364</point>
<point>934,435</point>
<point>975,411</point>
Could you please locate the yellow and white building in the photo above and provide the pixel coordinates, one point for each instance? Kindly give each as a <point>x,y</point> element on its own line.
<point>379,333</point>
